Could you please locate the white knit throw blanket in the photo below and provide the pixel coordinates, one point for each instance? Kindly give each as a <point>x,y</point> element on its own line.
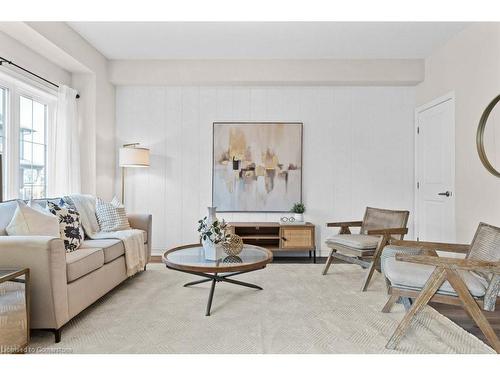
<point>133,239</point>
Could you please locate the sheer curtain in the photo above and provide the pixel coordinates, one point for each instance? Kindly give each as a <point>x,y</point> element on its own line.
<point>63,170</point>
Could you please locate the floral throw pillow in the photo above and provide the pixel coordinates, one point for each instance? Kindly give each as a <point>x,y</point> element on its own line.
<point>70,228</point>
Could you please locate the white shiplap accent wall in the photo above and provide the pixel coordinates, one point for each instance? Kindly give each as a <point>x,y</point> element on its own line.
<point>358,150</point>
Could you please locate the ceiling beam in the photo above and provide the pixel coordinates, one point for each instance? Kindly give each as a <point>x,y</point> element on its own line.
<point>366,72</point>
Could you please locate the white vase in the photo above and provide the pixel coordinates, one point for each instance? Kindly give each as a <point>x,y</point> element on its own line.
<point>212,251</point>
<point>211,217</point>
<point>299,217</point>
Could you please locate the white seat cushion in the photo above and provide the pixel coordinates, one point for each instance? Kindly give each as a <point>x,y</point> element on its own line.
<point>82,262</point>
<point>112,248</point>
<point>356,241</point>
<point>414,276</point>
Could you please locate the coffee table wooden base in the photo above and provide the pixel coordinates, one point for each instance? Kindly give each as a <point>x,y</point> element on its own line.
<point>215,278</point>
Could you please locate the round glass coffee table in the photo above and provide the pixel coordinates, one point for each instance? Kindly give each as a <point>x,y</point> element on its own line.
<point>191,259</point>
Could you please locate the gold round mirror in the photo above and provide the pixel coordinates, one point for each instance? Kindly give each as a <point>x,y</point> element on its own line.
<point>488,137</point>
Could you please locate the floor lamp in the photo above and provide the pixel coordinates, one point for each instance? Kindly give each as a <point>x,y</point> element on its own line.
<point>131,156</point>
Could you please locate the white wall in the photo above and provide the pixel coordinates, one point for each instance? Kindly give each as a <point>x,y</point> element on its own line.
<point>469,65</point>
<point>358,149</point>
<point>57,52</point>
<point>100,92</point>
<point>11,49</point>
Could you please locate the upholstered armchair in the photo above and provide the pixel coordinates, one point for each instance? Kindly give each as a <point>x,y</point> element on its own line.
<point>414,270</point>
<point>377,228</point>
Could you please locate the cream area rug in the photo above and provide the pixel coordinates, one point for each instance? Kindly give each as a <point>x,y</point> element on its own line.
<point>299,311</point>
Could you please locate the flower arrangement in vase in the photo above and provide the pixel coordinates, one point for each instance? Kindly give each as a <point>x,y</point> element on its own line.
<point>213,233</point>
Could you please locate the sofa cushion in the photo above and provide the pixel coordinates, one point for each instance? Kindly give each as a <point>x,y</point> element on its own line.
<point>112,248</point>
<point>70,225</point>
<point>32,221</point>
<point>356,241</point>
<point>82,262</point>
<point>414,276</point>
<point>111,216</point>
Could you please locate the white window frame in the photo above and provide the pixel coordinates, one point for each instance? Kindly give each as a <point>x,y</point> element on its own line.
<point>18,85</point>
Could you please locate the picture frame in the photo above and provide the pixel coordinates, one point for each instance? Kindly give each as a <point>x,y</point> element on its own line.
<point>268,178</point>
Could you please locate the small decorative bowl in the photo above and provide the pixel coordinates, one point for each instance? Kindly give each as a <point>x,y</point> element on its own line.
<point>233,245</point>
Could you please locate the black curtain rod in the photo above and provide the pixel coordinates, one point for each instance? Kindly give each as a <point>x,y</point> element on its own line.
<point>2,60</point>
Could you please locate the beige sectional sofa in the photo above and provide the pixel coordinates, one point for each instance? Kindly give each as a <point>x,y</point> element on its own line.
<point>64,284</point>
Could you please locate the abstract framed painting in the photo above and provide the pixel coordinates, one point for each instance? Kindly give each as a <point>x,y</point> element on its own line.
<point>256,166</point>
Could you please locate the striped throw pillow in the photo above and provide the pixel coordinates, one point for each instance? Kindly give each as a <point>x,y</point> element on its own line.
<point>111,216</point>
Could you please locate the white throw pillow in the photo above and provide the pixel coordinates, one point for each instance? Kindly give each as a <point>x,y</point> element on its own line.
<point>32,221</point>
<point>111,216</point>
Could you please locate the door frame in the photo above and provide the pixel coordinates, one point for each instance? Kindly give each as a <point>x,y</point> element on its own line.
<point>450,96</point>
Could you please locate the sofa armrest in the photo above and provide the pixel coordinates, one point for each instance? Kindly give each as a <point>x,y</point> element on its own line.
<point>143,222</point>
<point>46,259</point>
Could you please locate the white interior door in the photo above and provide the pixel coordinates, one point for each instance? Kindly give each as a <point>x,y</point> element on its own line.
<point>435,171</point>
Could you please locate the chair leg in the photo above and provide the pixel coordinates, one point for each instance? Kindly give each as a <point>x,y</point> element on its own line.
<point>329,261</point>
<point>390,302</point>
<point>57,335</point>
<point>470,305</point>
<point>373,265</point>
<point>435,281</point>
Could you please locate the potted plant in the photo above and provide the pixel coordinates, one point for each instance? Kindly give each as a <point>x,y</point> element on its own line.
<point>298,210</point>
<point>212,235</point>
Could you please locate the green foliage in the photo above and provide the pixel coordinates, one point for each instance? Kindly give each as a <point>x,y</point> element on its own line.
<point>298,208</point>
<point>215,233</point>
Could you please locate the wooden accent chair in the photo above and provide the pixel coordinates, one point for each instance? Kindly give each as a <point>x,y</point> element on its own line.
<point>377,228</point>
<point>415,270</point>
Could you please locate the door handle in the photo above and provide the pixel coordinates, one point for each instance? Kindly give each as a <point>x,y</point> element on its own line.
<point>446,193</point>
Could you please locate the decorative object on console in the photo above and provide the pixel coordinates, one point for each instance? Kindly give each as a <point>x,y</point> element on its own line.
<point>256,166</point>
<point>32,221</point>
<point>131,156</point>
<point>111,216</point>
<point>233,244</point>
<point>212,234</point>
<point>298,209</point>
<point>70,227</point>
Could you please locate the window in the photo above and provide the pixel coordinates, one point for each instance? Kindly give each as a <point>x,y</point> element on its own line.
<point>32,148</point>
<point>26,113</point>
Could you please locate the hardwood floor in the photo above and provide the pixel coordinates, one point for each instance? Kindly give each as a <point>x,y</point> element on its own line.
<point>454,313</point>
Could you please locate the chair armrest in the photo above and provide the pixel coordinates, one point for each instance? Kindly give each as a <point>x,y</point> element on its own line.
<point>143,222</point>
<point>345,224</point>
<point>441,246</point>
<point>387,231</point>
<point>452,263</point>
<point>46,259</point>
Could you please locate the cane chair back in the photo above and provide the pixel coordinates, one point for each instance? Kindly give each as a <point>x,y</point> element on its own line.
<point>378,218</point>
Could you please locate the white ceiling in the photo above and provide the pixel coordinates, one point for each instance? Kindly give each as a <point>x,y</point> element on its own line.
<point>267,40</point>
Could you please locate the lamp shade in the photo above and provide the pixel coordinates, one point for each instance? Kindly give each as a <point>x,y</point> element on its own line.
<point>134,157</point>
